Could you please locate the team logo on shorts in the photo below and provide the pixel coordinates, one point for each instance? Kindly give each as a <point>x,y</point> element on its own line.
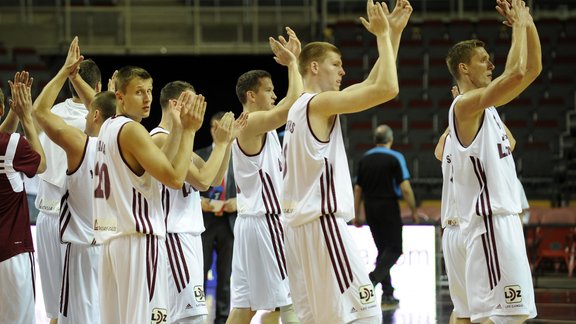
<point>199,294</point>
<point>513,294</point>
<point>366,294</point>
<point>159,315</point>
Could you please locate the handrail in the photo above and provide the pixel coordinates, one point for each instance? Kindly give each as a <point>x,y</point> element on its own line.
<point>188,26</point>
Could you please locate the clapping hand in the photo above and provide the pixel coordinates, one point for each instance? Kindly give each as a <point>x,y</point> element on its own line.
<point>398,18</point>
<point>191,107</point>
<point>223,130</point>
<point>21,102</point>
<point>514,11</point>
<point>73,59</point>
<point>377,22</point>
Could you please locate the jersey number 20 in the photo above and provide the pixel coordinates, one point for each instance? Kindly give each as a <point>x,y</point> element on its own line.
<point>103,189</point>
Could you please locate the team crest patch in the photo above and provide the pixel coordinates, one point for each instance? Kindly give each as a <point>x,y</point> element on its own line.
<point>366,293</point>
<point>513,294</point>
<point>199,294</point>
<point>159,315</point>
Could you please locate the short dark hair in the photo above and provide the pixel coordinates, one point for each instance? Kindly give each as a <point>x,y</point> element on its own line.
<point>127,74</point>
<point>461,53</point>
<point>249,81</point>
<point>90,73</point>
<point>173,90</point>
<point>383,134</point>
<point>105,102</point>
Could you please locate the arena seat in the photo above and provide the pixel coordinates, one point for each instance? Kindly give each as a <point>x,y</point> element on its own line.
<point>556,239</point>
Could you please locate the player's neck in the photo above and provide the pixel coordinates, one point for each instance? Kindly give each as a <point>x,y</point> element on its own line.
<point>165,123</point>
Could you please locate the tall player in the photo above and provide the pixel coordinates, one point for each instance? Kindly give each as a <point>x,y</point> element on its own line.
<point>128,216</point>
<point>328,281</point>
<point>19,156</point>
<point>498,281</point>
<point>183,211</point>
<point>259,277</point>
<point>79,293</point>
<point>50,191</point>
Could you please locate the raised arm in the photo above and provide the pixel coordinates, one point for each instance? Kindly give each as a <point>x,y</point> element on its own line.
<point>368,95</point>
<point>21,103</point>
<point>398,20</point>
<point>142,154</point>
<point>534,55</point>
<point>202,177</point>
<point>216,162</point>
<point>201,174</point>
<point>286,54</point>
<point>10,123</point>
<point>502,89</point>
<point>70,139</point>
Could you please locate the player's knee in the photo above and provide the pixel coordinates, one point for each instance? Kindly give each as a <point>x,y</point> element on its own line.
<point>454,319</point>
<point>269,317</point>
<point>510,319</point>
<point>288,315</point>
<point>200,319</point>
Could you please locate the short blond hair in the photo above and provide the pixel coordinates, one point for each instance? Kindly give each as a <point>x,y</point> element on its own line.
<point>461,52</point>
<point>315,51</point>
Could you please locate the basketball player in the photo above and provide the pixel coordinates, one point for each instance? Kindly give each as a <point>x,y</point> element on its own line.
<point>20,156</point>
<point>259,276</point>
<point>50,191</point>
<point>328,281</point>
<point>498,282</point>
<point>79,293</point>
<point>128,219</point>
<point>183,212</point>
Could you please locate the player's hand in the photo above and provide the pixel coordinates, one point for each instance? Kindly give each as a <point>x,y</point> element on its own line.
<point>514,12</point>
<point>112,82</point>
<point>223,129</point>
<point>192,109</point>
<point>282,55</point>
<point>73,59</point>
<point>230,205</point>
<point>377,23</point>
<point>238,126</point>
<point>23,77</point>
<point>398,18</point>
<point>21,90</point>
<point>293,44</point>
<point>206,206</point>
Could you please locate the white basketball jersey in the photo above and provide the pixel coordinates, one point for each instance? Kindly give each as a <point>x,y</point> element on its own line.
<point>51,188</point>
<point>448,208</point>
<point>484,173</point>
<point>182,208</point>
<point>316,174</point>
<point>76,206</point>
<point>258,178</point>
<point>125,203</point>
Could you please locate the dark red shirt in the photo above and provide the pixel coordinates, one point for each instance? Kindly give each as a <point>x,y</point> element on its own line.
<point>15,236</point>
